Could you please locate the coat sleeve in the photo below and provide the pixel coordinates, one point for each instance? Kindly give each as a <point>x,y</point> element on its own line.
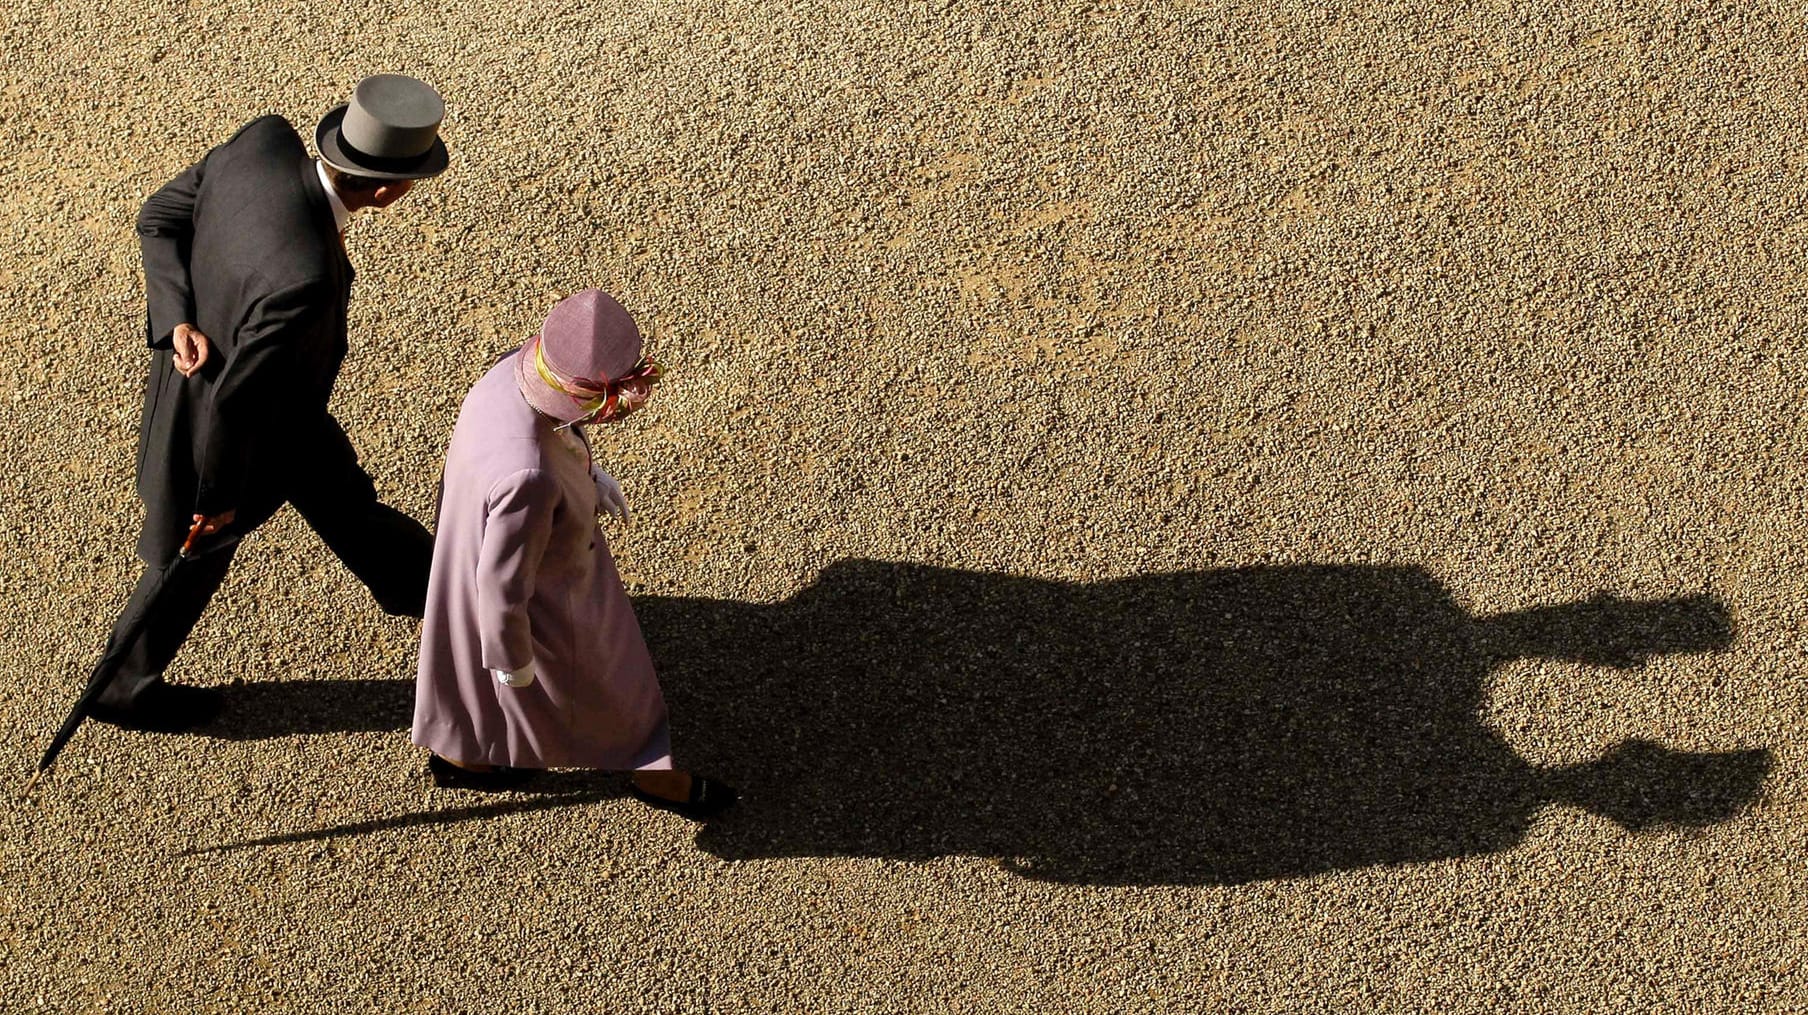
<point>166,234</point>
<point>242,398</point>
<point>518,519</point>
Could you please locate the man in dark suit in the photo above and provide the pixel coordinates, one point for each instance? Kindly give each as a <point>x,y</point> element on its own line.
<point>247,284</point>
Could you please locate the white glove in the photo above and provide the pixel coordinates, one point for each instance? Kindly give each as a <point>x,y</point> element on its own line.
<point>522,677</point>
<point>609,499</point>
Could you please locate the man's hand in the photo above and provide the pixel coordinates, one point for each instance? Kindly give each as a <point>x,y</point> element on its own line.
<point>609,499</point>
<point>207,525</point>
<point>191,349</point>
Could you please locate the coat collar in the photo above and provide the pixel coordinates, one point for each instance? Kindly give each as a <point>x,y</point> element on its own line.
<point>341,215</point>
<point>323,214</point>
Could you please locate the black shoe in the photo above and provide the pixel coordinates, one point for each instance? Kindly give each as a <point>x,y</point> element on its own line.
<point>708,798</point>
<point>498,779</point>
<point>163,708</point>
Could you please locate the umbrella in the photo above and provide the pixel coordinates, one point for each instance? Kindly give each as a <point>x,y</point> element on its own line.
<point>104,671</point>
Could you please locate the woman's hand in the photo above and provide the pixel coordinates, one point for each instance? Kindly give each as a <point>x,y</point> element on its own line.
<point>609,499</point>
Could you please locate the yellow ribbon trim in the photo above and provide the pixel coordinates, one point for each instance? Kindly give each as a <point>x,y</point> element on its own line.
<point>589,403</point>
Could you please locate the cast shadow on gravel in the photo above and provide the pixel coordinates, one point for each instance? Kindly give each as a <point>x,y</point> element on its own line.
<point>517,804</point>
<point>261,710</point>
<point>1210,727</point>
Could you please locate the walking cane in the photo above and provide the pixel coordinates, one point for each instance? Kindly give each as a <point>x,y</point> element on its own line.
<point>104,671</point>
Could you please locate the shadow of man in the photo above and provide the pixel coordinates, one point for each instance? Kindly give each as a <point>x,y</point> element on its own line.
<point>1191,728</point>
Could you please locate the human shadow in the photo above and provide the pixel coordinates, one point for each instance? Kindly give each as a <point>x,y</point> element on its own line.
<point>1209,727</point>
<point>264,709</point>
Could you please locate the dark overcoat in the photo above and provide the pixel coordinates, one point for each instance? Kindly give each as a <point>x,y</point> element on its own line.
<point>243,246</point>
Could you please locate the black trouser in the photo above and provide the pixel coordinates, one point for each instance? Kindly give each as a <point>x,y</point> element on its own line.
<point>388,551</point>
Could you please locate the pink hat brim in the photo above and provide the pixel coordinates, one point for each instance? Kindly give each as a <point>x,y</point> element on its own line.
<point>545,399</point>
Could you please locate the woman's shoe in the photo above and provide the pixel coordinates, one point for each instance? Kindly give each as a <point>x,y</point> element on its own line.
<point>446,775</point>
<point>708,798</point>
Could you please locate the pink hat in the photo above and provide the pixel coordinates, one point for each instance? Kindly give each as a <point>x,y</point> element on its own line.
<point>585,364</point>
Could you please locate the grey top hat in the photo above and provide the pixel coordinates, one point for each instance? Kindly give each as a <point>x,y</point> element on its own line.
<point>389,131</point>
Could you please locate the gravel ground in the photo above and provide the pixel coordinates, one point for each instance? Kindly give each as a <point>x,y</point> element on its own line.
<point>1162,507</point>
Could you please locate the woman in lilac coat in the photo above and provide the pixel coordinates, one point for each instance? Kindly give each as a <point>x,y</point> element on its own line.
<point>530,654</point>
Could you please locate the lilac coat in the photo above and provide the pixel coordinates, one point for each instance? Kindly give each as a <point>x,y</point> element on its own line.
<point>521,572</point>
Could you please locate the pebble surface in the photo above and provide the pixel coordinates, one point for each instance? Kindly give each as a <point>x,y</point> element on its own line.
<point>1047,381</point>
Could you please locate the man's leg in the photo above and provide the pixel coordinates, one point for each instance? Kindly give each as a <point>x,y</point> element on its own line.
<point>137,694</point>
<point>390,552</point>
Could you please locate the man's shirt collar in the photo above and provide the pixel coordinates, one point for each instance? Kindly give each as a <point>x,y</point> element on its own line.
<point>340,214</point>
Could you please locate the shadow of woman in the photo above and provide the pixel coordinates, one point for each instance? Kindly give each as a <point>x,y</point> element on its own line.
<point>1201,727</point>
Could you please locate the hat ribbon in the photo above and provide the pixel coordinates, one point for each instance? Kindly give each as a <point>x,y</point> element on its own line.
<point>597,400</point>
